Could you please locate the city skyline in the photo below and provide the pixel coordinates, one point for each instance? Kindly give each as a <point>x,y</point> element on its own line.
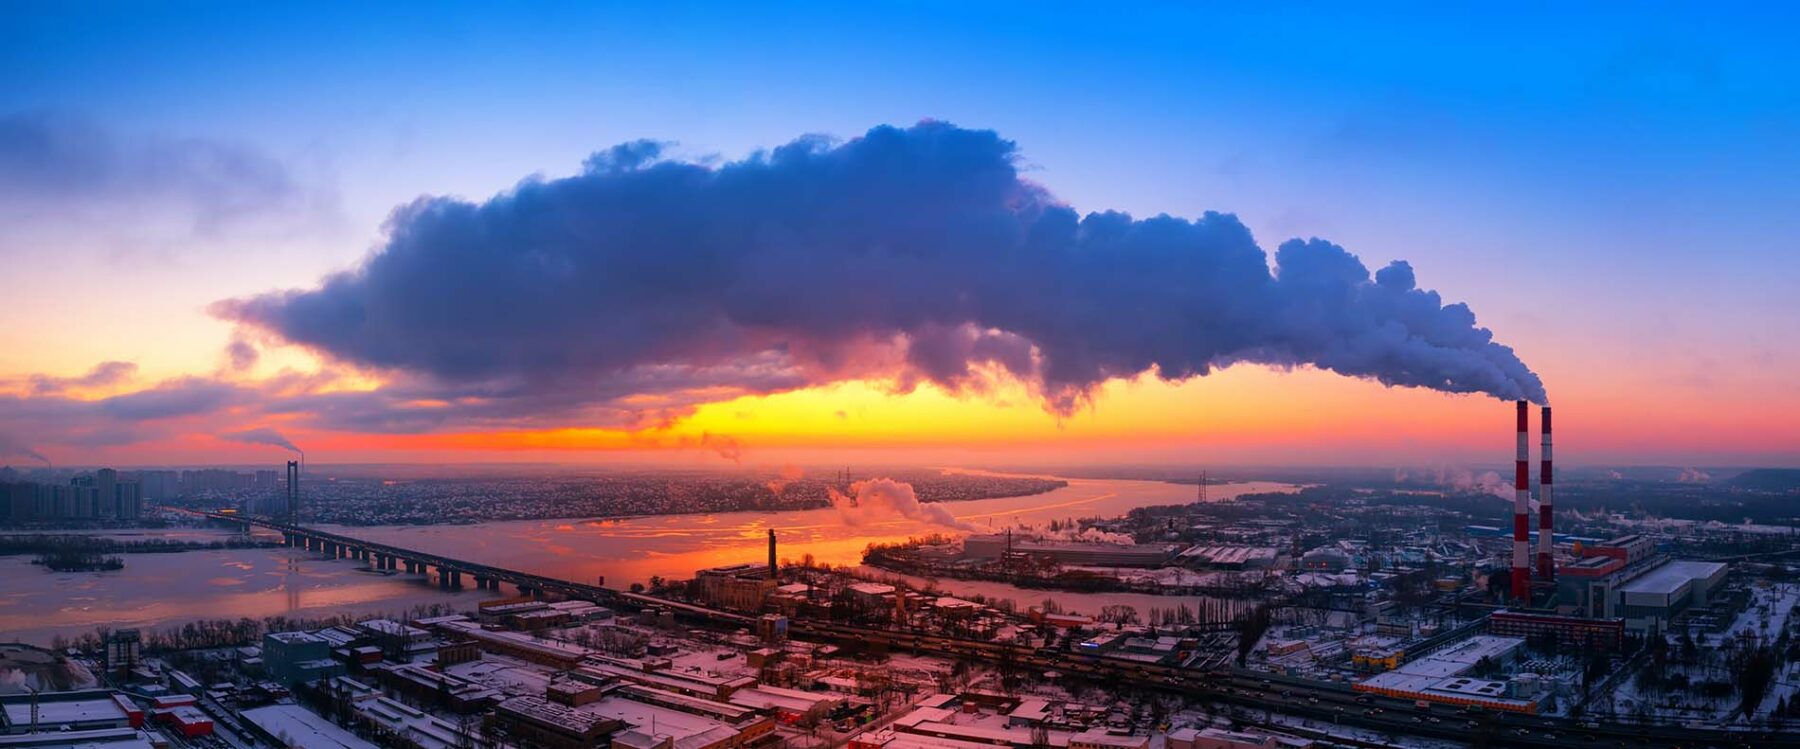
<point>1609,200</point>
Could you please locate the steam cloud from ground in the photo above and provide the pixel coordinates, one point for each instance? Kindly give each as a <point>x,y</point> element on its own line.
<point>875,500</point>
<point>916,254</point>
<point>1090,535</point>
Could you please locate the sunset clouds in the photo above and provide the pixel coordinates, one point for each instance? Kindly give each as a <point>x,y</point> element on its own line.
<point>915,254</point>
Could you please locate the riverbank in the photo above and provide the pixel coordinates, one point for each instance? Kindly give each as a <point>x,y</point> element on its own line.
<point>52,544</point>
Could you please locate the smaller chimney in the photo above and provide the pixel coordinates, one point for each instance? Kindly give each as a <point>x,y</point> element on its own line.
<point>1546,561</point>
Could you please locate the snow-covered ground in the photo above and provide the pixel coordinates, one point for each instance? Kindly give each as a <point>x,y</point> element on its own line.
<point>1768,614</point>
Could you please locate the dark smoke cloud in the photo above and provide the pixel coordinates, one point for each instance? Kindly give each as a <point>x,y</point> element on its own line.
<point>102,375</point>
<point>164,410</point>
<point>727,446</point>
<point>66,166</point>
<point>262,436</point>
<point>914,253</point>
<point>10,447</point>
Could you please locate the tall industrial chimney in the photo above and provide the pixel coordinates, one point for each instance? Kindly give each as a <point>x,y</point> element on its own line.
<point>772,554</point>
<point>1546,563</point>
<point>1521,556</point>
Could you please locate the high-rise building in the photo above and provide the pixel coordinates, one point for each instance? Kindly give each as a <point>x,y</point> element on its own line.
<point>128,500</point>
<point>106,482</point>
<point>16,501</point>
<point>159,485</point>
<point>293,490</point>
<point>83,499</point>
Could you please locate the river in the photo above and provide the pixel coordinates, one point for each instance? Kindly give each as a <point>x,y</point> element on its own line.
<point>157,590</point>
<point>154,591</point>
<point>674,546</point>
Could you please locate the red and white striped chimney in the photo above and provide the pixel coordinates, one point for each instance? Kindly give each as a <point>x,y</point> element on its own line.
<point>1546,563</point>
<point>1521,556</point>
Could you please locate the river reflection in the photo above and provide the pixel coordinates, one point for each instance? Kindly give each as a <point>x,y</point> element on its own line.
<point>160,590</point>
<point>674,546</point>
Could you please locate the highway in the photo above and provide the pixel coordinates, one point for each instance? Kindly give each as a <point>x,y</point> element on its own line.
<point>1257,691</point>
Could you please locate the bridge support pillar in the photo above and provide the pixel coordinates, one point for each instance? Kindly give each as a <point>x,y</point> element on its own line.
<point>455,579</point>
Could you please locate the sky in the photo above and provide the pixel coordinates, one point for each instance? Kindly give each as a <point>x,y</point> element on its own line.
<point>404,234</point>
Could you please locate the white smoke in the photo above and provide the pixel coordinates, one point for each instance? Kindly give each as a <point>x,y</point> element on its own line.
<point>1693,476</point>
<point>1467,481</point>
<point>874,500</point>
<point>1090,535</point>
<point>788,474</point>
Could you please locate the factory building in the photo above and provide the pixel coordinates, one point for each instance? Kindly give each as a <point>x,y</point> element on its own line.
<point>81,710</point>
<point>1570,631</point>
<point>740,587</point>
<point>547,724</point>
<point>1443,677</point>
<point>997,545</point>
<point>1627,549</point>
<point>298,657</point>
<point>1625,578</point>
<point>1230,557</point>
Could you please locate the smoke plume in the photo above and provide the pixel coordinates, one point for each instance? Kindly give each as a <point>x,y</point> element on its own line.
<point>1469,482</point>
<point>727,446</point>
<point>1693,476</point>
<point>1090,535</point>
<point>788,474</point>
<point>874,500</point>
<point>9,446</point>
<point>263,436</point>
<point>917,254</point>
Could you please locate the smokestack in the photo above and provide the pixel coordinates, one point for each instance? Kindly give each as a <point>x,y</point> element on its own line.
<point>772,554</point>
<point>1546,564</point>
<point>1521,555</point>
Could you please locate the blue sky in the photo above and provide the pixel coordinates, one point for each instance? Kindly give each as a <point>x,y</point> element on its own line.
<point>1614,189</point>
